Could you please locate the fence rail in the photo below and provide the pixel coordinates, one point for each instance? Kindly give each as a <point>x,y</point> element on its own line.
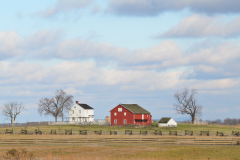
<point>124,141</point>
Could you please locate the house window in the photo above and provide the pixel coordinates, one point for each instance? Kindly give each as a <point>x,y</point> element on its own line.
<point>125,121</point>
<point>119,109</point>
<point>115,113</point>
<point>115,121</point>
<point>79,111</point>
<point>73,119</point>
<point>125,113</point>
<point>73,111</point>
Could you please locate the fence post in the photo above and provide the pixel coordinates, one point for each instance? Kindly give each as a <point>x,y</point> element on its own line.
<point>17,141</point>
<point>51,140</point>
<point>34,140</point>
<point>139,140</point>
<point>158,141</point>
<point>176,139</point>
<point>213,141</point>
<point>68,140</point>
<point>232,140</point>
<point>86,140</point>
<point>194,140</point>
<point>121,140</point>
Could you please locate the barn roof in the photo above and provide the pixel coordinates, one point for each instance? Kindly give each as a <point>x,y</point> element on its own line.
<point>164,120</point>
<point>85,106</point>
<point>134,108</point>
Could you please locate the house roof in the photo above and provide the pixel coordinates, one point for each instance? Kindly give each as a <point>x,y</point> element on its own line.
<point>164,120</point>
<point>85,106</point>
<point>134,108</point>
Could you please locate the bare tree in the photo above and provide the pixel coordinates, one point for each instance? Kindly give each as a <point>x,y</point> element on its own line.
<point>55,106</point>
<point>187,103</point>
<point>12,109</point>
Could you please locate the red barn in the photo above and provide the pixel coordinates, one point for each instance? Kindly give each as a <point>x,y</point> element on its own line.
<point>130,114</point>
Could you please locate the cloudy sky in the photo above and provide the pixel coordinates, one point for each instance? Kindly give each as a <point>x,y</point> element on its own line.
<point>106,52</point>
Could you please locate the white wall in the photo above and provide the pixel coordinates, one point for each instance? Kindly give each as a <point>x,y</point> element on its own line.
<point>171,123</point>
<point>77,111</point>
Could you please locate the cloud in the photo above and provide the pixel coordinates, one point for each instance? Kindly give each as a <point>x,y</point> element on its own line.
<point>202,26</point>
<point>162,52</point>
<point>47,44</point>
<point>154,7</point>
<point>201,60</point>
<point>9,44</point>
<point>65,6</point>
<point>71,75</point>
<point>205,68</point>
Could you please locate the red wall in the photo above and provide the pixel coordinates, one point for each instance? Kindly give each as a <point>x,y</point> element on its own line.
<point>120,116</point>
<point>138,119</point>
<point>130,117</point>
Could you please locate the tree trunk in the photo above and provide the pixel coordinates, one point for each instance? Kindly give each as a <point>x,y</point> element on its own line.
<point>62,117</point>
<point>56,119</point>
<point>193,118</point>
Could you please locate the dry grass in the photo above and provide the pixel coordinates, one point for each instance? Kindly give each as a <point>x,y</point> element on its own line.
<point>166,152</point>
<point>97,152</point>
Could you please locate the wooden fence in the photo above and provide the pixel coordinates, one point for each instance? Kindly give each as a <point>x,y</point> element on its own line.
<point>125,141</point>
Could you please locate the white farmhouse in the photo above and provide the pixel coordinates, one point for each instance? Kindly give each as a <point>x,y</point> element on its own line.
<point>167,122</point>
<point>81,113</point>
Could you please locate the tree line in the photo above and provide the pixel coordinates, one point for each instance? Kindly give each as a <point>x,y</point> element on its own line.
<point>226,121</point>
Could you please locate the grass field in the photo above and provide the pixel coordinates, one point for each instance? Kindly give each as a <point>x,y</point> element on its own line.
<point>96,152</point>
<point>132,152</point>
<point>121,129</point>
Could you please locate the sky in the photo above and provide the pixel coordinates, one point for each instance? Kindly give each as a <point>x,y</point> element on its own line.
<point>107,52</point>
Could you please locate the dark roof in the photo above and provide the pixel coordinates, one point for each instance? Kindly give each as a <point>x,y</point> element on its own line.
<point>134,108</point>
<point>85,106</point>
<point>164,120</point>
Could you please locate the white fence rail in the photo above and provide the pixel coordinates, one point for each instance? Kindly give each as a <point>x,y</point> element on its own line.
<point>96,122</point>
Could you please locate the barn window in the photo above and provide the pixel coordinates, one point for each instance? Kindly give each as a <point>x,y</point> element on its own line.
<point>115,121</point>
<point>125,121</point>
<point>119,109</point>
<point>147,115</point>
<point>115,113</point>
<point>73,111</point>
<point>125,113</point>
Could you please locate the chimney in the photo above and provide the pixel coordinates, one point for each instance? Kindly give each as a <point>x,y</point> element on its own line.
<point>76,102</point>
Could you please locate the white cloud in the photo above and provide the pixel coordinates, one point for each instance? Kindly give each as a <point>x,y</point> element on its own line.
<point>200,59</point>
<point>201,26</point>
<point>47,44</point>
<point>205,68</point>
<point>9,42</point>
<point>71,75</point>
<point>66,6</point>
<point>164,51</point>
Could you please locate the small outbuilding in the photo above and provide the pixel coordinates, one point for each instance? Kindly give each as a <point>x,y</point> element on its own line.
<point>167,122</point>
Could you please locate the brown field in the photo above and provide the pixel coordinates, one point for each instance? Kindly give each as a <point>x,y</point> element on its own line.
<point>131,152</point>
<point>150,152</point>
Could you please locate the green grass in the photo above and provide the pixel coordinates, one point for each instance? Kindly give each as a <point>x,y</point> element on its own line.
<point>121,129</point>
